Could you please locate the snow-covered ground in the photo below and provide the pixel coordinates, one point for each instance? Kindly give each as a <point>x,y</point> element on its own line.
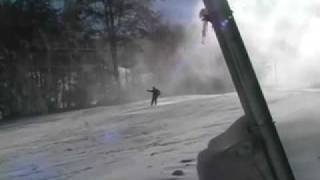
<point>138,142</point>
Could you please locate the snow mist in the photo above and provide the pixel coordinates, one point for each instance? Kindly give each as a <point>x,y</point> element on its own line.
<point>281,37</point>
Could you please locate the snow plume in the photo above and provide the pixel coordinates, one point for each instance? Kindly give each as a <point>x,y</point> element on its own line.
<point>199,68</point>
<point>282,38</point>
<point>196,68</point>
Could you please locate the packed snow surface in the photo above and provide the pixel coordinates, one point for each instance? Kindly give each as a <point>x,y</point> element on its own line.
<point>138,142</point>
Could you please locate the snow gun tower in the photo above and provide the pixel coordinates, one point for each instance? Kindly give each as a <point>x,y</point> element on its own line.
<point>251,148</point>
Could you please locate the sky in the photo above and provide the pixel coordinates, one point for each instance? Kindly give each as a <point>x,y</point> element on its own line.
<point>180,11</point>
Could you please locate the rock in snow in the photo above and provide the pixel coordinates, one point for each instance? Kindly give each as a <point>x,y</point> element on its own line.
<point>178,173</point>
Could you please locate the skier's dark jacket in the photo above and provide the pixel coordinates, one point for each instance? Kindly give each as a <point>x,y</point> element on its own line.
<point>155,91</point>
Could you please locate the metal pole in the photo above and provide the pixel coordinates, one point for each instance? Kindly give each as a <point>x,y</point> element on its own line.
<point>247,85</point>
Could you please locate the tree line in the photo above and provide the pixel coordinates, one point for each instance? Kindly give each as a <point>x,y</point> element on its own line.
<point>57,55</point>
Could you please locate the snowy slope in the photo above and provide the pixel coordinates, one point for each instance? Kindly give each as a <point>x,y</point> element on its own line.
<point>137,142</point>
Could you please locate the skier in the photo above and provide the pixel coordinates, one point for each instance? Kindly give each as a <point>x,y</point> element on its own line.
<point>155,94</point>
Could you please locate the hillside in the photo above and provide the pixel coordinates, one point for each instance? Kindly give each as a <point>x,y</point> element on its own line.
<point>138,142</point>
